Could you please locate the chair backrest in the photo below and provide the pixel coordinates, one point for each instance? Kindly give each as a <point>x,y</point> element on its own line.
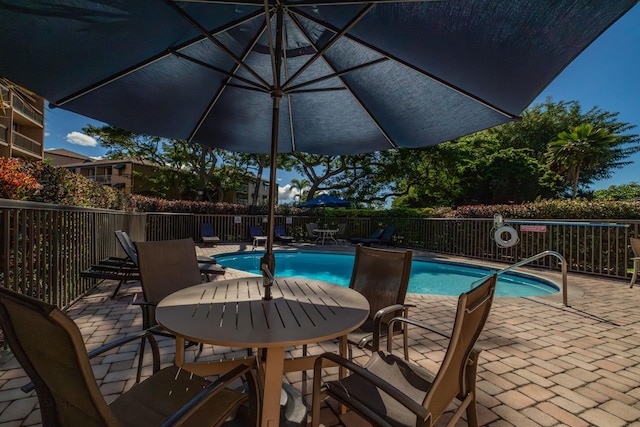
<point>50,349</point>
<point>376,234</point>
<point>279,230</point>
<point>387,233</point>
<point>255,231</point>
<point>127,245</point>
<point>635,246</point>
<point>167,266</point>
<point>381,275</point>
<point>341,228</point>
<point>471,316</point>
<point>206,230</point>
<point>310,227</point>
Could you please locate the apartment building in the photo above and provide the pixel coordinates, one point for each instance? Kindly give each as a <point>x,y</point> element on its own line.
<point>128,175</point>
<point>21,122</point>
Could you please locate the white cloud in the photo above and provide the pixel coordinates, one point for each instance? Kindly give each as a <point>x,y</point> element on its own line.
<point>47,134</point>
<point>78,138</point>
<point>286,194</point>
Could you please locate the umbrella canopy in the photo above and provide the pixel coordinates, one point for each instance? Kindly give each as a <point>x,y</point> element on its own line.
<point>325,200</point>
<point>274,76</point>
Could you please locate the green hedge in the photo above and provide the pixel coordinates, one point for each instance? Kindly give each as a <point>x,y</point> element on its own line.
<point>43,182</point>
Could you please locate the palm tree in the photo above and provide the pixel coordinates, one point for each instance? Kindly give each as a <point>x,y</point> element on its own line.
<point>579,148</point>
<point>302,185</point>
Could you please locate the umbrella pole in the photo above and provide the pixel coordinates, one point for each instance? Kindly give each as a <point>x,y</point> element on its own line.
<point>268,261</point>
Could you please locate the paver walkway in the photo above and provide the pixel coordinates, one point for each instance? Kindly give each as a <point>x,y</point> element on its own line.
<point>543,364</point>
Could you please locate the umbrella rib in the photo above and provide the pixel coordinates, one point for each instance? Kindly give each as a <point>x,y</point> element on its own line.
<point>215,41</point>
<point>346,86</point>
<point>146,62</point>
<point>337,74</point>
<point>256,86</point>
<point>336,37</point>
<point>225,84</point>
<point>416,69</point>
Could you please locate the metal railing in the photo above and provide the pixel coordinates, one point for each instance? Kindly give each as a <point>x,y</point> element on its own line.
<point>537,257</point>
<point>44,247</point>
<point>27,110</point>
<point>26,143</point>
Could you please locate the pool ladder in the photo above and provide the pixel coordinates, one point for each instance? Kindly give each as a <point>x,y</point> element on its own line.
<point>537,257</point>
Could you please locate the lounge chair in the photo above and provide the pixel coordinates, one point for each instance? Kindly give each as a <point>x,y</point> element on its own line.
<point>281,235</point>
<point>123,269</point>
<point>635,247</point>
<point>49,347</point>
<point>385,237</point>
<point>257,235</point>
<point>375,235</point>
<point>389,391</point>
<point>207,235</point>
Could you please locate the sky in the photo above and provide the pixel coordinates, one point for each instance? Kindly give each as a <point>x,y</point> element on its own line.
<point>606,75</point>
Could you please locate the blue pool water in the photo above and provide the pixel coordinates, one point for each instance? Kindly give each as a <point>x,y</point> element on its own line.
<point>427,277</point>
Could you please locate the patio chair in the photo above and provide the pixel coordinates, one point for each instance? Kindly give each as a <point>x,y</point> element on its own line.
<point>390,391</point>
<point>311,226</point>
<point>166,266</point>
<point>385,237</point>
<point>339,236</point>
<point>207,265</point>
<point>49,347</point>
<point>207,235</point>
<point>382,276</point>
<point>375,235</point>
<point>635,247</point>
<point>281,235</point>
<point>257,235</point>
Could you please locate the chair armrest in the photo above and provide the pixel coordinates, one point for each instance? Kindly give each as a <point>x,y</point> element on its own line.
<point>138,299</point>
<point>422,326</point>
<point>212,390</point>
<point>378,321</point>
<point>376,381</point>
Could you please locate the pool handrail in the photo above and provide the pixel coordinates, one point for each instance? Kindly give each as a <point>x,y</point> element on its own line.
<point>534,258</point>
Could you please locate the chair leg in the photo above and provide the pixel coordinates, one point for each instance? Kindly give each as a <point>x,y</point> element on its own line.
<point>636,266</point>
<point>143,342</point>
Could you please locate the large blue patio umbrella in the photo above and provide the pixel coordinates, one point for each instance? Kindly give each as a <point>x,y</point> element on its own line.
<point>276,76</point>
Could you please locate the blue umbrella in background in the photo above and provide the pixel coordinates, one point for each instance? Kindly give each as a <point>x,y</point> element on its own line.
<point>325,200</point>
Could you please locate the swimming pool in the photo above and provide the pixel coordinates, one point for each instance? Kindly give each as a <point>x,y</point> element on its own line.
<point>427,276</point>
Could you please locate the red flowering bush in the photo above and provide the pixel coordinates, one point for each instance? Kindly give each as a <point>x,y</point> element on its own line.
<point>15,181</point>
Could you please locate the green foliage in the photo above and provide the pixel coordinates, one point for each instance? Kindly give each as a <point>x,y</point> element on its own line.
<point>579,148</point>
<point>554,209</point>
<point>629,191</point>
<point>508,163</point>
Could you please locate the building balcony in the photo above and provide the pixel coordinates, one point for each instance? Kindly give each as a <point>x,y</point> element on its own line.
<point>26,144</point>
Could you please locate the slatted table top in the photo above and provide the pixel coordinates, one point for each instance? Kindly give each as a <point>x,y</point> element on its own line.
<point>232,312</point>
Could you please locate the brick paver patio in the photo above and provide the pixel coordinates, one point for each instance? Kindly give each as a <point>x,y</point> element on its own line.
<point>543,364</point>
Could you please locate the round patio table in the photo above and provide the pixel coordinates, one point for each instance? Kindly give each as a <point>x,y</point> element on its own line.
<point>232,313</point>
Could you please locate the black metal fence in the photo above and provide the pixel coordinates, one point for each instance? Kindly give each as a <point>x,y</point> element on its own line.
<point>43,248</point>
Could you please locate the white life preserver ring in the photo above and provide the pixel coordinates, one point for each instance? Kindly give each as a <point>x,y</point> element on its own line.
<point>506,243</point>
